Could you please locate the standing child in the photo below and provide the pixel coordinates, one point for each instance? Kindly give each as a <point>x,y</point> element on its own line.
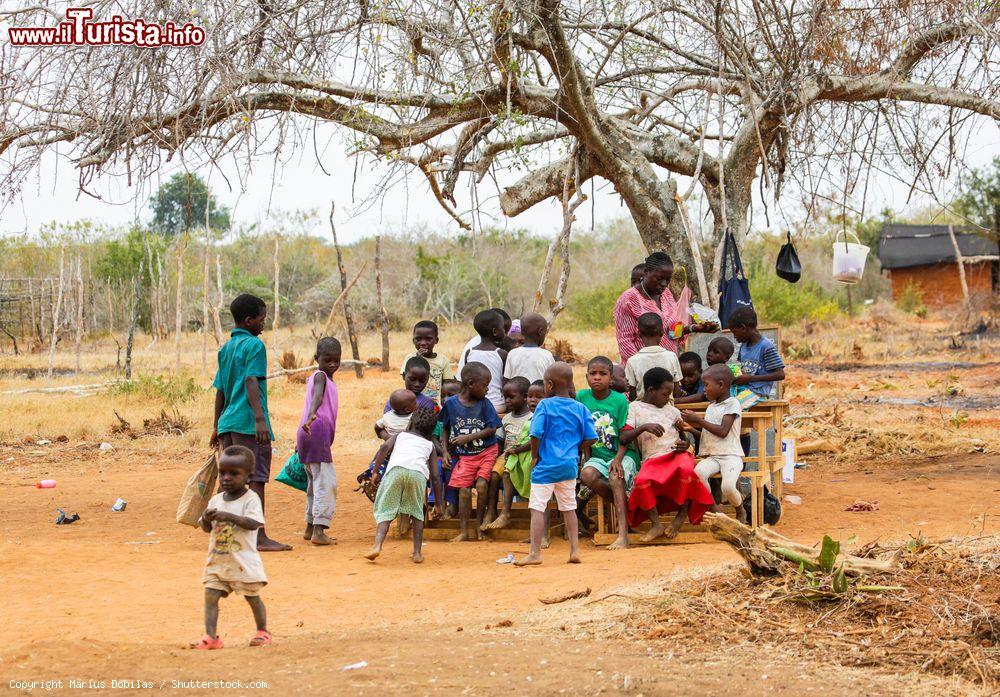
<point>761,366</point>
<point>530,360</point>
<point>561,428</point>
<point>492,334</point>
<point>514,425</point>
<point>651,355</point>
<point>666,481</point>
<point>315,438</point>
<point>241,416</point>
<point>411,463</point>
<point>425,339</point>
<point>720,436</point>
<point>469,424</point>
<point>607,475</point>
<point>233,517</point>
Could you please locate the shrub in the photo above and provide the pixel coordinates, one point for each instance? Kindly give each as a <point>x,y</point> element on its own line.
<point>912,300</point>
<point>594,308</point>
<point>780,302</point>
<point>170,389</point>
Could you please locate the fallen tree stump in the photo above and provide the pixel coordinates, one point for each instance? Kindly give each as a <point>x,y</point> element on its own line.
<point>764,550</point>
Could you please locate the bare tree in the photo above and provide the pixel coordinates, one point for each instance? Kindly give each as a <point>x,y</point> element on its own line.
<point>56,308</point>
<point>723,92</point>
<point>383,314</point>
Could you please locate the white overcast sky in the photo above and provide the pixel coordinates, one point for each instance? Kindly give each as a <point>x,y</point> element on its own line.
<point>255,192</point>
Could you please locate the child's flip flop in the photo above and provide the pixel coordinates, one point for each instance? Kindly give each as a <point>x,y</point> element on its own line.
<point>207,643</point>
<point>261,638</point>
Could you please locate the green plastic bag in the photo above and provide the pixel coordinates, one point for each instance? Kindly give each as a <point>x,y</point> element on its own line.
<point>293,474</point>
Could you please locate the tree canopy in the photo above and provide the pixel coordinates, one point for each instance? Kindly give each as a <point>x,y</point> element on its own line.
<point>179,205</point>
<point>800,98</point>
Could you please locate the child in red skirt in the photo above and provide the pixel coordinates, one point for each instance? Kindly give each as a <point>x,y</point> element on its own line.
<point>666,481</point>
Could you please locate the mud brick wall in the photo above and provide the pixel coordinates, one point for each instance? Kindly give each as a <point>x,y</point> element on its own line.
<point>940,283</point>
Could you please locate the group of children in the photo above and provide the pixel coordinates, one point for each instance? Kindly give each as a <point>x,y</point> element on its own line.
<point>511,425</point>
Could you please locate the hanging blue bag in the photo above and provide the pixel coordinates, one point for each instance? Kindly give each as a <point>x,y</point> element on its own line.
<point>734,289</point>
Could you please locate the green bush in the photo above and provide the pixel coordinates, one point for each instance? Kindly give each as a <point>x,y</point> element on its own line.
<point>170,389</point>
<point>780,302</point>
<point>594,308</point>
<point>912,300</point>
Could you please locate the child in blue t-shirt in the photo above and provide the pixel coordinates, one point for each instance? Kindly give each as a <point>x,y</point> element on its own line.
<point>760,363</point>
<point>468,429</point>
<point>560,428</point>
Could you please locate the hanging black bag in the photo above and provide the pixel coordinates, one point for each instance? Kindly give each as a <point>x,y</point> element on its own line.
<point>788,267</point>
<point>734,290</point>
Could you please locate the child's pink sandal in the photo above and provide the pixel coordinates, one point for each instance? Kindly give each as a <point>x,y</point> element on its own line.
<point>207,643</point>
<point>261,638</point>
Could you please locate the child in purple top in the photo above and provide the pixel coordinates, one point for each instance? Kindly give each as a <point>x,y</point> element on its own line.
<point>315,437</point>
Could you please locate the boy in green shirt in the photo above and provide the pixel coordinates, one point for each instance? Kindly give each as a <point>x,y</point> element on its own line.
<point>241,416</point>
<point>601,474</point>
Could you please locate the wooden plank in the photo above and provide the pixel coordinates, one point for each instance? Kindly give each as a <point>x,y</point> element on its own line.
<point>683,538</point>
<point>445,534</point>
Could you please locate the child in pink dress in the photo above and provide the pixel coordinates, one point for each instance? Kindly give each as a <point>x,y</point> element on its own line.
<point>315,438</point>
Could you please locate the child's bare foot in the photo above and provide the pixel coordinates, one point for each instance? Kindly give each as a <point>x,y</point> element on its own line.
<point>480,535</point>
<point>654,532</point>
<point>670,534</point>
<point>373,553</point>
<point>501,522</point>
<point>460,537</point>
<point>307,535</point>
<point>620,543</point>
<point>319,537</point>
<point>574,558</point>
<point>417,558</point>
<point>530,560</point>
<point>450,511</point>
<point>488,520</point>
<point>403,524</point>
<point>266,544</point>
<point>546,542</point>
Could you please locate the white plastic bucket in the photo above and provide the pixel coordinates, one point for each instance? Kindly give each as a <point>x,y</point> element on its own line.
<point>849,259</point>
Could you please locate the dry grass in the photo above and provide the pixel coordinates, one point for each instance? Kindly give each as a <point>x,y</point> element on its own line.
<point>888,341</point>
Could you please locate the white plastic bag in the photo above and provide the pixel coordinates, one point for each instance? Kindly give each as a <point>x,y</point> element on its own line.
<point>703,313</point>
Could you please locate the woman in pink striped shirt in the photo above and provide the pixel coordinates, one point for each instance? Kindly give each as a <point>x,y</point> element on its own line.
<point>650,295</point>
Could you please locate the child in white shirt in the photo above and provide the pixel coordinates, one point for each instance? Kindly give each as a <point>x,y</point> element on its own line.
<point>651,355</point>
<point>530,360</point>
<point>720,435</point>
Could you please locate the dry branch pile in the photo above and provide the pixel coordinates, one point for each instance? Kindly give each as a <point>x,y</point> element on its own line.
<point>938,613</point>
<point>173,423</point>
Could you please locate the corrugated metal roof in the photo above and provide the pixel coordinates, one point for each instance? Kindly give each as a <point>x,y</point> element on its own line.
<point>901,246</point>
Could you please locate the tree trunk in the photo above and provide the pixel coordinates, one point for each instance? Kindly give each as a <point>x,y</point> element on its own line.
<point>276,322</point>
<point>216,320</point>
<point>351,333</point>
<point>205,285</point>
<point>136,284</point>
<point>179,305</point>
<point>55,314</point>
<point>381,305</point>
<point>79,308</point>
